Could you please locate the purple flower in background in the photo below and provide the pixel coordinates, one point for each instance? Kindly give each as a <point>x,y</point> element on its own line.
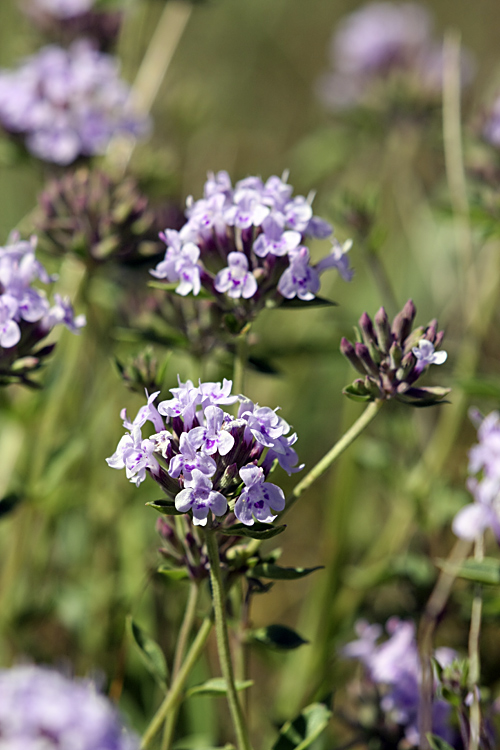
<point>200,455</point>
<point>64,8</point>
<point>393,666</point>
<point>383,40</point>
<point>483,483</point>
<point>246,246</point>
<point>67,103</point>
<point>40,708</point>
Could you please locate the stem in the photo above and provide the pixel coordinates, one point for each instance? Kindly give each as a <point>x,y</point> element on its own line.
<point>474,659</point>
<point>151,73</point>
<point>340,446</point>
<point>434,607</point>
<point>180,650</point>
<point>218,596</point>
<point>174,695</point>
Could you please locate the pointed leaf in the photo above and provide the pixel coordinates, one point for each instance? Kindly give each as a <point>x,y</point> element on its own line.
<point>257,531</point>
<point>352,392</point>
<point>275,572</point>
<point>174,574</point>
<point>165,507</point>
<point>216,686</point>
<point>305,729</point>
<point>150,653</point>
<point>278,637</point>
<point>480,571</point>
<point>295,302</point>
<point>437,743</point>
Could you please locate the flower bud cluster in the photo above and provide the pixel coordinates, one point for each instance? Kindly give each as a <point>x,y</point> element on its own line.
<point>483,482</point>
<point>245,245</point>
<point>206,460</point>
<point>68,19</point>
<point>40,708</point>
<point>67,103</point>
<point>391,358</point>
<point>26,316</point>
<point>393,667</point>
<point>90,214</point>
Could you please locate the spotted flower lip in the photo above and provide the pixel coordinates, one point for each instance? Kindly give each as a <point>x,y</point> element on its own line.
<point>245,246</point>
<point>205,459</point>
<point>391,358</point>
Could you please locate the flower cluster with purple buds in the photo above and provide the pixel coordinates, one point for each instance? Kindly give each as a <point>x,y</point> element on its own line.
<point>245,246</point>
<point>67,103</point>
<point>40,708</point>
<point>391,358</point>
<point>393,667</point>
<point>483,482</point>
<point>206,460</point>
<point>26,316</point>
<point>381,41</point>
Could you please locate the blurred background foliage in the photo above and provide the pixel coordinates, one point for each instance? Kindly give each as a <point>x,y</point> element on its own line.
<point>79,551</point>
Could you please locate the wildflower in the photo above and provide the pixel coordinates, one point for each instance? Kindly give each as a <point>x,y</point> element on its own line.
<point>392,358</point>
<point>88,213</point>
<point>67,103</point>
<point>483,483</point>
<point>206,460</point>
<point>245,246</point>
<point>41,708</point>
<point>393,667</point>
<point>26,315</point>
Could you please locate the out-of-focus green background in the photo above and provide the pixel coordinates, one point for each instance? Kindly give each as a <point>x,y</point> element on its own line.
<point>79,553</point>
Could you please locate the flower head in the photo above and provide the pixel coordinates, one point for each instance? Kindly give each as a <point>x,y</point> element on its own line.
<point>206,460</point>
<point>67,103</point>
<point>392,358</point>
<point>40,708</point>
<point>244,245</point>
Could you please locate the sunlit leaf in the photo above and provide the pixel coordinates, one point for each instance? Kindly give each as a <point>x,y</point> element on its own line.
<point>216,686</point>
<point>275,572</point>
<point>257,531</point>
<point>150,653</point>
<point>305,729</point>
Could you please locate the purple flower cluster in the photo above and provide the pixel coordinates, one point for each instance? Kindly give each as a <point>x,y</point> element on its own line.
<point>39,708</point>
<point>67,103</point>
<point>394,668</point>
<point>65,8</point>
<point>67,20</point>
<point>204,458</point>
<point>245,245</point>
<point>378,41</point>
<point>484,483</point>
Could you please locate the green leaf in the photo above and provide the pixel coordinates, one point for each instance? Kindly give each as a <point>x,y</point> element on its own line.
<point>150,653</point>
<point>437,743</point>
<point>9,503</point>
<point>305,729</point>
<point>216,686</point>
<point>352,392</point>
<point>257,531</point>
<point>278,637</point>
<point>175,574</point>
<point>165,507</point>
<point>275,572</point>
<point>480,571</point>
<point>295,302</point>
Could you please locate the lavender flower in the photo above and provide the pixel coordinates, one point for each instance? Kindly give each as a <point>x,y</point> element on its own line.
<point>491,125</point>
<point>245,246</point>
<point>67,103</point>
<point>72,19</point>
<point>26,316</point>
<point>394,668</point>
<point>382,41</point>
<point>40,708</point>
<point>206,460</point>
<point>483,483</point>
<point>392,358</point>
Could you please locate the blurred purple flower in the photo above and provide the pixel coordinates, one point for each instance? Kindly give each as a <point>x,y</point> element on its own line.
<point>40,708</point>
<point>67,103</point>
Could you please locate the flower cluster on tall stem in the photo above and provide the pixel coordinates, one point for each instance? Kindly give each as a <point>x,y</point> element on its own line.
<point>204,459</point>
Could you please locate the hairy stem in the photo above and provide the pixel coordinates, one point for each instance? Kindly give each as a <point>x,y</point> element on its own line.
<point>474,659</point>
<point>218,596</point>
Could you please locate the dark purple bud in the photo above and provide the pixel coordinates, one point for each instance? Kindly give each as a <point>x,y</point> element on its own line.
<point>363,355</point>
<point>439,339</point>
<point>402,324</point>
<point>366,328</point>
<point>430,333</point>
<point>347,350</point>
<point>383,330</point>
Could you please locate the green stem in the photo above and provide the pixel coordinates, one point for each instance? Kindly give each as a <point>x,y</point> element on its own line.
<point>180,650</point>
<point>340,446</point>
<point>218,596</point>
<point>174,695</point>
<point>474,660</point>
